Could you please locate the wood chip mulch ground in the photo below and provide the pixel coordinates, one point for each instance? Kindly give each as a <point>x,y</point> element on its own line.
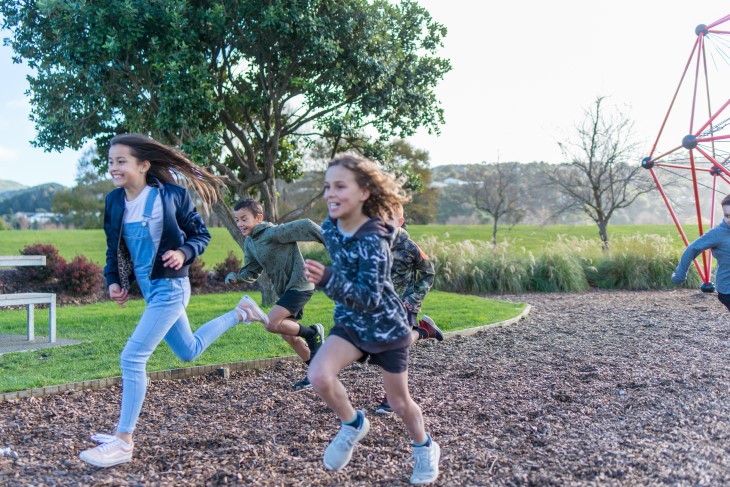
<point>598,388</point>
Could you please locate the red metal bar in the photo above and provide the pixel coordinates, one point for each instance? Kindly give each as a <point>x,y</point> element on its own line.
<point>694,90</point>
<point>719,21</point>
<point>711,159</point>
<point>667,153</point>
<point>708,269</point>
<point>677,166</point>
<point>674,98</point>
<point>712,118</point>
<point>709,104</point>
<point>674,218</point>
<point>709,139</point>
<point>700,227</point>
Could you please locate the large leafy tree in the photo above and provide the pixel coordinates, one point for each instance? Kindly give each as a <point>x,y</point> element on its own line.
<point>241,86</point>
<point>414,165</point>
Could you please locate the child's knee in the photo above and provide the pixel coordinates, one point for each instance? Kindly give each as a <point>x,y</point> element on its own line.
<point>272,326</point>
<point>403,406</point>
<point>319,378</point>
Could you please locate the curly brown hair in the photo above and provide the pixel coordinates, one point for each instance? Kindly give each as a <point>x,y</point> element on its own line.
<point>386,192</point>
<point>170,165</point>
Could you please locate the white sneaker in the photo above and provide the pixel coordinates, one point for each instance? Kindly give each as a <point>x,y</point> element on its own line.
<point>338,453</point>
<point>252,310</point>
<point>426,468</point>
<point>112,451</point>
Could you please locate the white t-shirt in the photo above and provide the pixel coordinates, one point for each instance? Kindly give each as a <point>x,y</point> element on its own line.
<point>134,212</point>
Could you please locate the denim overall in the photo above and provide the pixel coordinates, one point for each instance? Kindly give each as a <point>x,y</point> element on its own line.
<point>163,317</point>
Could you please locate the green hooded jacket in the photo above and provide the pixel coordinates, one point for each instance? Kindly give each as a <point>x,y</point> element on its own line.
<point>273,248</point>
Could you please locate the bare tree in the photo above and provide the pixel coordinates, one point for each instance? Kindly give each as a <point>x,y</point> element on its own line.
<point>497,193</point>
<point>597,179</point>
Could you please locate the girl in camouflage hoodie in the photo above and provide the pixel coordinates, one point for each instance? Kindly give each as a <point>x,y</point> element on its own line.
<point>370,320</point>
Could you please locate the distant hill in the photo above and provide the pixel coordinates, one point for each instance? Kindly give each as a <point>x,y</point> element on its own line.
<point>29,200</point>
<point>7,187</point>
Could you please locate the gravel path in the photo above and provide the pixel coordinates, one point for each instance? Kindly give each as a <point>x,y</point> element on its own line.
<point>598,388</point>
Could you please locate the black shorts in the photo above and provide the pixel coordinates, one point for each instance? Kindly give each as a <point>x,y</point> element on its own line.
<point>294,301</point>
<point>724,299</point>
<point>394,361</point>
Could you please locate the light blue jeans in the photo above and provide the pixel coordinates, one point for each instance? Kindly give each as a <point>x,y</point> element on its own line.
<point>163,318</point>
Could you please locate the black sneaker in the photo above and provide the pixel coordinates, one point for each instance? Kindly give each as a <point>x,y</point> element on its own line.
<point>303,384</point>
<point>384,408</point>
<point>316,341</point>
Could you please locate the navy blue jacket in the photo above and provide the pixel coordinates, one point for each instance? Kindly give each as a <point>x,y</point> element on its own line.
<point>182,229</point>
<point>359,283</point>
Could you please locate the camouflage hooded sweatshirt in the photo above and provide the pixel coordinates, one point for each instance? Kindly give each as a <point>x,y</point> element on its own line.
<point>273,248</point>
<point>412,272</point>
<point>359,282</point>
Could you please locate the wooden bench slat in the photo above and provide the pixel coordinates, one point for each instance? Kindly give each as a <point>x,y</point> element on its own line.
<point>26,298</point>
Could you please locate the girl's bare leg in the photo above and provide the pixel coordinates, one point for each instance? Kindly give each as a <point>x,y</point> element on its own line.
<point>399,398</point>
<point>335,354</point>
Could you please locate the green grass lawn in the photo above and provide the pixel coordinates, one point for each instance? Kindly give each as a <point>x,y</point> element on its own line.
<point>106,327</point>
<point>534,238</point>
<point>92,244</point>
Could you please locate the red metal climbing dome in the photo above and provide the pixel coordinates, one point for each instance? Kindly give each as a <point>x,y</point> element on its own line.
<point>694,138</point>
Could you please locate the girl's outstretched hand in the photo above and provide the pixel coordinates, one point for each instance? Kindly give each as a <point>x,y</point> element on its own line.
<point>118,294</point>
<point>313,271</point>
<point>173,259</point>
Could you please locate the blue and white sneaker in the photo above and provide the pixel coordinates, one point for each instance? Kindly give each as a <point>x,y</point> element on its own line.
<point>426,468</point>
<point>338,453</point>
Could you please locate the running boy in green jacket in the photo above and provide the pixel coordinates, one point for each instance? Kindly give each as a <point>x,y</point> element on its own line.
<point>273,249</point>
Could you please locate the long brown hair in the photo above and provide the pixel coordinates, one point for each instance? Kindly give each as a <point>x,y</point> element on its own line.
<point>385,191</point>
<point>170,165</point>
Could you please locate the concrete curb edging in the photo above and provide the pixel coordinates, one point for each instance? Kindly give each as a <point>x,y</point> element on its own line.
<point>186,372</point>
<point>471,331</point>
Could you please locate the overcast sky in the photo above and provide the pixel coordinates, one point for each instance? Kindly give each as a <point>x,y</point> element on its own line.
<point>523,72</point>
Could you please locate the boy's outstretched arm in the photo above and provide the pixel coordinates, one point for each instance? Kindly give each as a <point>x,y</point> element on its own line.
<point>251,270</point>
<point>304,230</point>
<point>706,241</point>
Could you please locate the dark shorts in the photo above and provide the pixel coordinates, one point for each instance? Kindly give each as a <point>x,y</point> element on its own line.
<point>724,299</point>
<point>394,361</point>
<point>294,301</point>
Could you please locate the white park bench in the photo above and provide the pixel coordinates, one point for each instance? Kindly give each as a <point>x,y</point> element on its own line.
<point>31,299</point>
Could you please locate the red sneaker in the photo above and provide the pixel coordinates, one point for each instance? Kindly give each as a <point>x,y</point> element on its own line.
<point>428,325</point>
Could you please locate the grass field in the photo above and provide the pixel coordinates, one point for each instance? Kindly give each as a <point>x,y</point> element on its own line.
<point>521,238</point>
<point>105,327</point>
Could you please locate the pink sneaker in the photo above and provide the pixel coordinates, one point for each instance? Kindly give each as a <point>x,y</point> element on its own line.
<point>112,451</point>
<point>251,310</point>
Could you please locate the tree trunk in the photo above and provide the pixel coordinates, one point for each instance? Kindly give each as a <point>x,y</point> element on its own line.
<point>494,234</point>
<point>603,232</point>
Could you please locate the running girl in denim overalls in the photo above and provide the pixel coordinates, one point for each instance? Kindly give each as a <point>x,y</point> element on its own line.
<point>153,234</point>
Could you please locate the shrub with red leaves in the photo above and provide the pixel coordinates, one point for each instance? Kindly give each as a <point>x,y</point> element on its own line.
<point>197,275</point>
<point>41,273</point>
<point>230,264</point>
<point>80,277</point>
